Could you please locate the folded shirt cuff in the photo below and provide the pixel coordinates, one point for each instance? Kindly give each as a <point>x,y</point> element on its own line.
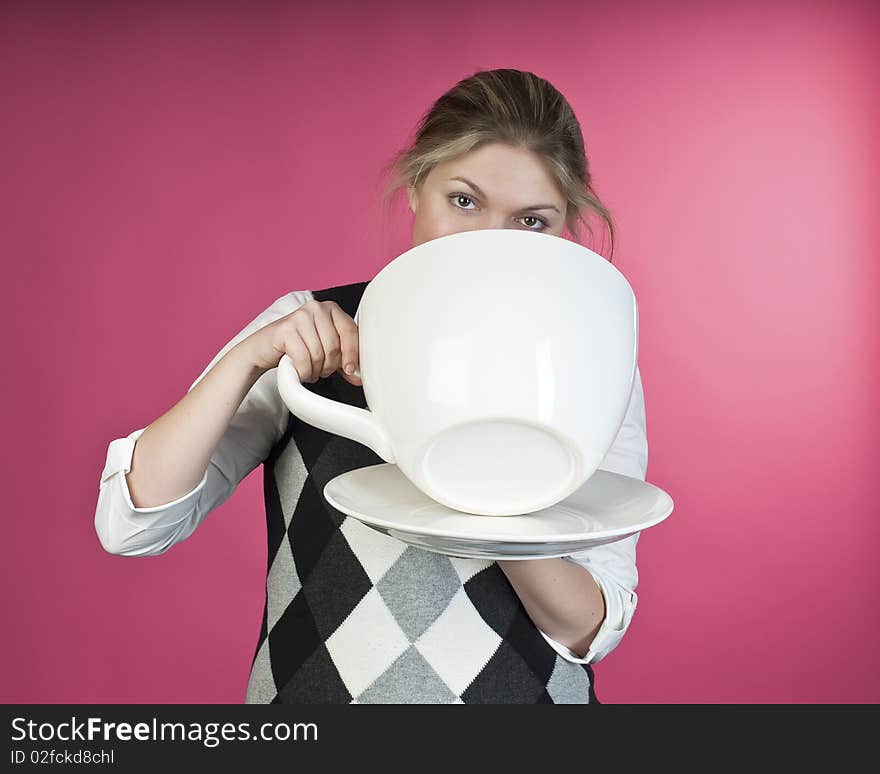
<point>617,619</point>
<point>118,463</point>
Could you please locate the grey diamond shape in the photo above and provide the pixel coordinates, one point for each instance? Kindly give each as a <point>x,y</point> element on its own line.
<point>409,680</point>
<point>282,583</point>
<point>569,683</point>
<point>261,685</point>
<point>290,469</point>
<point>418,588</point>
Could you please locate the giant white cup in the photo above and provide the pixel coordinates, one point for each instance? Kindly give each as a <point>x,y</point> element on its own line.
<point>497,365</point>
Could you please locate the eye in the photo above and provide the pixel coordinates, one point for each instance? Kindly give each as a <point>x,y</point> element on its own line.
<point>456,198</point>
<point>461,201</point>
<point>537,221</point>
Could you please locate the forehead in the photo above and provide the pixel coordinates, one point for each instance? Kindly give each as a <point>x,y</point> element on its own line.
<point>502,172</point>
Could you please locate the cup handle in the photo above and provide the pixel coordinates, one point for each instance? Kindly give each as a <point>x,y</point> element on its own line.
<point>331,415</point>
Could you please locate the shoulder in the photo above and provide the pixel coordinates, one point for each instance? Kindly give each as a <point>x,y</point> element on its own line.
<point>279,308</point>
<point>347,296</point>
<point>287,303</point>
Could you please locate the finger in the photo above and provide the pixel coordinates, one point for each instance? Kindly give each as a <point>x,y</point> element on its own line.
<point>329,340</point>
<point>299,353</point>
<point>312,341</point>
<point>352,379</point>
<point>349,342</point>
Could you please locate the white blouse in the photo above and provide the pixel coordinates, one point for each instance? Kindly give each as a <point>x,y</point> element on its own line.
<point>261,421</point>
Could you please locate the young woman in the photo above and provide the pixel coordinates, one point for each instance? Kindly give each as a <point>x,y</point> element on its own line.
<point>352,615</point>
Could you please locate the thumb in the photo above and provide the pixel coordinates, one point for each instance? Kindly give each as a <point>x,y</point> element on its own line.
<point>352,378</point>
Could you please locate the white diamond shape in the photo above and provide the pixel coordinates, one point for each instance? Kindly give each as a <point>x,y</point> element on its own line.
<point>375,551</point>
<point>459,643</point>
<point>282,583</point>
<point>366,644</point>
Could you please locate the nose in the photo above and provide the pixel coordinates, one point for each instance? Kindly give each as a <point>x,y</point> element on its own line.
<point>498,221</point>
<point>492,219</point>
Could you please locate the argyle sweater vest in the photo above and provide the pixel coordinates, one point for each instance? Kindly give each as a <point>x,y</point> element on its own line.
<point>352,615</point>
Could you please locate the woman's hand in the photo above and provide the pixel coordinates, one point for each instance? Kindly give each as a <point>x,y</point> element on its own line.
<point>319,337</point>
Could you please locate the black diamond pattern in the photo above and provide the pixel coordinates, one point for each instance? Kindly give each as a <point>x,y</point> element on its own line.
<point>492,594</point>
<point>593,698</point>
<point>526,640</point>
<point>292,640</point>
<point>317,682</point>
<point>336,585</point>
<point>275,530</point>
<point>310,530</point>
<point>506,679</point>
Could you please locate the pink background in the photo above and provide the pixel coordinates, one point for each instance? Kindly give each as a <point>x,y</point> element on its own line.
<point>169,172</point>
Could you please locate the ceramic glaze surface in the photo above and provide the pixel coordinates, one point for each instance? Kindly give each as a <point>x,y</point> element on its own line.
<point>497,365</point>
<point>608,507</point>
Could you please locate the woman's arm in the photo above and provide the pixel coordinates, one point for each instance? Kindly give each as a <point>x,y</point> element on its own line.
<point>585,602</point>
<point>562,599</point>
<point>172,454</point>
<point>125,525</point>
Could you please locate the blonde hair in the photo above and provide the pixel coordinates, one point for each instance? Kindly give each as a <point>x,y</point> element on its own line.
<point>508,106</point>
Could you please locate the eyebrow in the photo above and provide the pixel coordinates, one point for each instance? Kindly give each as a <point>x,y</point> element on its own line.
<point>479,192</point>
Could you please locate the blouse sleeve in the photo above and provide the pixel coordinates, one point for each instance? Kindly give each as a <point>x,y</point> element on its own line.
<point>257,424</point>
<point>613,565</point>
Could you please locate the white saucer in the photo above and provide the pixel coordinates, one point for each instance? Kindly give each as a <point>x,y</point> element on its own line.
<point>608,507</point>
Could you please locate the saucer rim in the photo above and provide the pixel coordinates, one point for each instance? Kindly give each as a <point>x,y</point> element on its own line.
<point>665,504</point>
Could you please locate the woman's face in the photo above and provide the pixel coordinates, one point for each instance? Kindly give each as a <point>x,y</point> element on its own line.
<point>494,186</point>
